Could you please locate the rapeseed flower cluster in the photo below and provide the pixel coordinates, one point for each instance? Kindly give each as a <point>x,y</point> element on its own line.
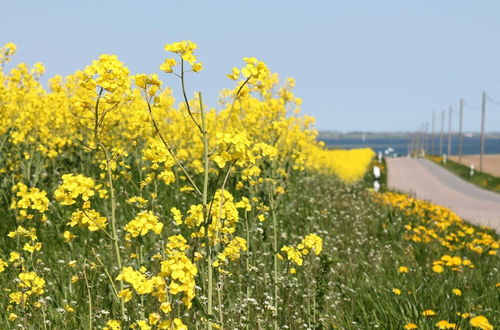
<point>30,205</point>
<point>143,223</point>
<point>349,165</point>
<point>231,252</point>
<point>74,187</point>
<point>121,161</point>
<point>185,49</point>
<point>88,218</point>
<point>30,284</point>
<point>30,199</point>
<point>310,243</point>
<point>182,272</point>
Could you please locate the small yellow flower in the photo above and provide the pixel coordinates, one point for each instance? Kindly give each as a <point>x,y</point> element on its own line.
<point>428,312</point>
<point>125,294</point>
<point>14,256</point>
<point>197,67</point>
<point>456,292</point>
<point>3,264</point>
<point>154,318</point>
<point>396,291</point>
<point>68,236</point>
<point>177,215</point>
<point>167,65</point>
<point>235,74</point>
<point>410,325</point>
<point>12,317</point>
<point>403,269</point>
<point>166,307</point>
<point>72,263</point>
<point>113,325</point>
<point>480,322</point>
<point>443,324</point>
<point>198,256</point>
<point>437,268</point>
<point>32,248</point>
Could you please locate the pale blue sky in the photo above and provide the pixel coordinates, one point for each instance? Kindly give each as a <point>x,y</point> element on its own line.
<point>359,65</point>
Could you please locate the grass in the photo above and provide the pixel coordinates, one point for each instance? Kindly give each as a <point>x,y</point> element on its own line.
<point>367,247</point>
<point>349,286</point>
<point>480,179</point>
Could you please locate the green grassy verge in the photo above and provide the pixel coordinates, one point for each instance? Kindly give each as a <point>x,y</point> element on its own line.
<point>480,179</point>
<point>350,285</point>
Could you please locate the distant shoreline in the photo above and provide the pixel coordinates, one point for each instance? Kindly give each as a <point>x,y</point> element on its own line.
<point>400,144</point>
<point>327,135</point>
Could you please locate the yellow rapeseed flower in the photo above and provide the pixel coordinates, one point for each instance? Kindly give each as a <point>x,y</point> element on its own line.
<point>144,222</point>
<point>3,264</point>
<point>112,325</point>
<point>68,236</point>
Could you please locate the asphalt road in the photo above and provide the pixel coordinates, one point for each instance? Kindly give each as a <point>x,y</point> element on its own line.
<point>425,180</point>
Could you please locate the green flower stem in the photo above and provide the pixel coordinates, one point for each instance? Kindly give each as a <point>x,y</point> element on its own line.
<point>276,275</point>
<point>205,209</point>
<point>113,224</point>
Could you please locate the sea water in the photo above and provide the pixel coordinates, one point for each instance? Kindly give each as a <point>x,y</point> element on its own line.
<point>400,145</point>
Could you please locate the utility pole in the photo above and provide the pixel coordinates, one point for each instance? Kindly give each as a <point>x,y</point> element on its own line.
<point>483,112</point>
<point>422,139</point>
<point>415,143</point>
<point>424,133</point>
<point>442,134</point>
<point>461,134</point>
<point>427,147</point>
<point>412,144</point>
<point>449,131</point>
<point>433,141</point>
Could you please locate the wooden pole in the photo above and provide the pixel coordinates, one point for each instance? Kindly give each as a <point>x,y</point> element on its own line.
<point>441,137</point>
<point>483,113</point>
<point>461,133</point>
<point>415,143</point>
<point>450,112</point>
<point>426,138</point>
<point>412,144</point>
<point>433,138</point>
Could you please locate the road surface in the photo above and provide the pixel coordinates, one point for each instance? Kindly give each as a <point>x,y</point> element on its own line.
<point>426,180</point>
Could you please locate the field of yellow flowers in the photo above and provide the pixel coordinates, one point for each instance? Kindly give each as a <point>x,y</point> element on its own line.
<point>122,209</point>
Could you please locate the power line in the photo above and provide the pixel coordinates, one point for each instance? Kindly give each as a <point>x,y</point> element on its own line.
<point>473,108</point>
<point>492,100</point>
